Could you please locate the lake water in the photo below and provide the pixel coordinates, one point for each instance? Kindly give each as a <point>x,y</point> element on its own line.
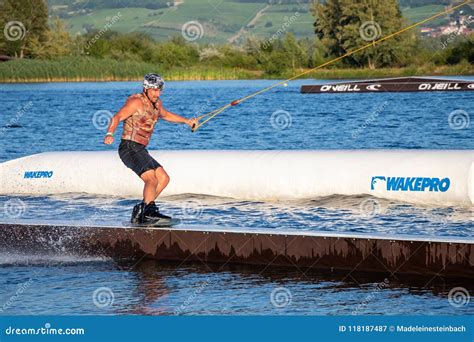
<point>68,117</point>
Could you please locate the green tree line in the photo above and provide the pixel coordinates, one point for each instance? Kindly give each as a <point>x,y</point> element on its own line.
<point>337,30</point>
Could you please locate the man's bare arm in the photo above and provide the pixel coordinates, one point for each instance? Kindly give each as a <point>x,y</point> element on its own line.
<point>126,111</point>
<point>172,117</point>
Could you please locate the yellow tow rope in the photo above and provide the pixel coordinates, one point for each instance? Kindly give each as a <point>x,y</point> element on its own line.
<point>215,112</point>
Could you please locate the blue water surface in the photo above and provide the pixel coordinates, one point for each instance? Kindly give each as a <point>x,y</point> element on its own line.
<point>44,117</point>
<point>63,116</point>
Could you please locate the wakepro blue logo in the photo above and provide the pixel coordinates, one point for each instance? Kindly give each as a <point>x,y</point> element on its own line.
<point>38,174</point>
<point>411,183</point>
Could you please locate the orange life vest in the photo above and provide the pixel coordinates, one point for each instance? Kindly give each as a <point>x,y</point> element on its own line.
<point>139,126</point>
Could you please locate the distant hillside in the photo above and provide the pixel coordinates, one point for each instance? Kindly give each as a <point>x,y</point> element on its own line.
<point>216,21</point>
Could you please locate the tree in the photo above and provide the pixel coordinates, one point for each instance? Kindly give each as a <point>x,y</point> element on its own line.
<point>22,21</point>
<point>345,25</point>
<point>210,54</point>
<point>57,42</point>
<point>293,51</point>
<point>175,53</point>
<point>464,50</point>
<point>276,63</point>
<point>317,55</point>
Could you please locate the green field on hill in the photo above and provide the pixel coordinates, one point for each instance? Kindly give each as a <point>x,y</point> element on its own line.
<point>417,14</point>
<point>221,20</point>
<point>97,56</point>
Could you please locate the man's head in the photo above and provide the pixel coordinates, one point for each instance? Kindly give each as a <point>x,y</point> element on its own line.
<point>153,84</point>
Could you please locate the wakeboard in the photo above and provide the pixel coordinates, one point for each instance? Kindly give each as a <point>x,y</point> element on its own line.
<point>161,223</point>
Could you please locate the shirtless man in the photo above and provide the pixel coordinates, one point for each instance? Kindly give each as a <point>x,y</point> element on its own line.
<point>140,114</point>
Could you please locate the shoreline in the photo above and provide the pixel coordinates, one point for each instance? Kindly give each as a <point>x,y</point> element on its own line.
<point>56,72</point>
<point>172,79</point>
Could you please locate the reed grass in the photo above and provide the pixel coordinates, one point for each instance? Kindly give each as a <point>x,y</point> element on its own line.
<point>81,69</point>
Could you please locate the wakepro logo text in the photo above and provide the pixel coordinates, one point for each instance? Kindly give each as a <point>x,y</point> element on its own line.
<point>411,183</point>
<point>38,174</point>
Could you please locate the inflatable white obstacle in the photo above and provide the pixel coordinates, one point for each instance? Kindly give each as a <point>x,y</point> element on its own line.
<point>432,177</point>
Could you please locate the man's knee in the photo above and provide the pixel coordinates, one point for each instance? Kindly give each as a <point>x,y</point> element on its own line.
<point>162,176</point>
<point>149,177</point>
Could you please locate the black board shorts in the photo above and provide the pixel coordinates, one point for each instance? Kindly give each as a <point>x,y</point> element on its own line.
<point>136,157</point>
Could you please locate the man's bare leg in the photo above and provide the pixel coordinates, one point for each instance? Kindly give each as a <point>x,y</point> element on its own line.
<point>155,182</point>
<point>163,180</point>
<point>151,184</point>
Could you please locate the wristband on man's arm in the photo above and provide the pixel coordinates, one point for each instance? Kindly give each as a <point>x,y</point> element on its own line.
<point>109,133</point>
